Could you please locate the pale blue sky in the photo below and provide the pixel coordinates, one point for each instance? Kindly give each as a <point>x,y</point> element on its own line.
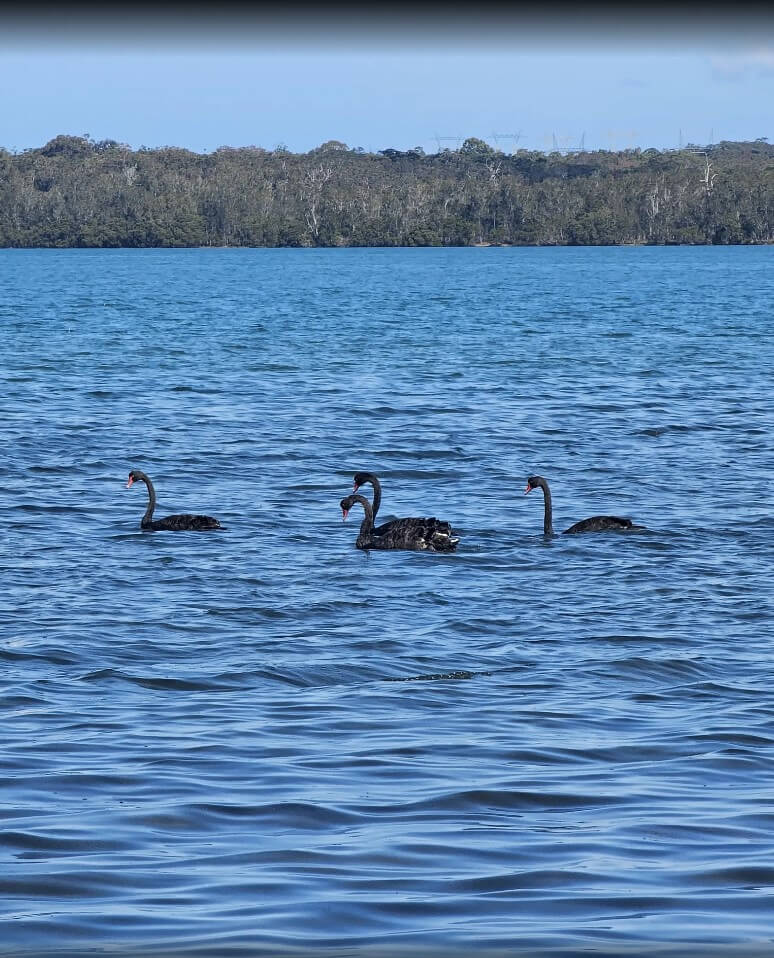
<point>377,85</point>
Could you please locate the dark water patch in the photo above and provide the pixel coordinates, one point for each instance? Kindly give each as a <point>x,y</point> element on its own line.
<point>52,656</point>
<point>484,801</point>
<point>49,845</point>
<point>239,613</point>
<point>732,737</point>
<point>38,508</point>
<point>18,701</point>
<point>292,815</point>
<point>660,670</point>
<point>717,690</point>
<point>542,879</point>
<point>157,684</point>
<point>414,454</point>
<point>188,388</point>
<point>100,886</point>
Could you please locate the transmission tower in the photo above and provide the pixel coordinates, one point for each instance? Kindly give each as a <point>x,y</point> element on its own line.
<point>452,139</point>
<point>580,147</point>
<point>507,136</point>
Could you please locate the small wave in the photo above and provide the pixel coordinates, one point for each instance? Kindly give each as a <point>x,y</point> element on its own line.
<point>655,431</point>
<point>54,656</point>
<point>481,801</point>
<point>157,683</point>
<point>43,846</point>
<point>296,815</point>
<point>743,876</point>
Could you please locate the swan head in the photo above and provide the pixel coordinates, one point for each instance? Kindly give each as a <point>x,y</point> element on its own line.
<point>360,478</point>
<point>346,504</point>
<point>535,482</point>
<point>135,476</point>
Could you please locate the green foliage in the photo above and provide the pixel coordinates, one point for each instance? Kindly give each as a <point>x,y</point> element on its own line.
<point>331,146</point>
<point>75,191</point>
<point>475,148</point>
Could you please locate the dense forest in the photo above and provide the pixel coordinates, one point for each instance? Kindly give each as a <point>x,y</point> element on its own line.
<point>75,191</point>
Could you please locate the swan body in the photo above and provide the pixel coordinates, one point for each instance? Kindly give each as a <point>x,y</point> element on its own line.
<point>602,524</point>
<point>431,535</point>
<point>176,523</point>
<point>395,526</point>
<point>594,524</point>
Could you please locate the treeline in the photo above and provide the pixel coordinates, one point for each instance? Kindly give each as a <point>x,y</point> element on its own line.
<point>77,192</point>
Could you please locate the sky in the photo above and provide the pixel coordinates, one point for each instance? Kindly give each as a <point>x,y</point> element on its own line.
<point>421,76</point>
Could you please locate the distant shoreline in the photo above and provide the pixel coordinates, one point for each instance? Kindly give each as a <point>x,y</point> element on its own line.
<point>471,246</point>
<point>74,192</point>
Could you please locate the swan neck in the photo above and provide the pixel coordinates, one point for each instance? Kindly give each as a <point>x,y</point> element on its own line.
<point>377,496</point>
<point>364,536</point>
<point>368,519</point>
<point>548,513</point>
<point>146,519</point>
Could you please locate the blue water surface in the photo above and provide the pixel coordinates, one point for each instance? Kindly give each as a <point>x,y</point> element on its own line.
<point>262,741</point>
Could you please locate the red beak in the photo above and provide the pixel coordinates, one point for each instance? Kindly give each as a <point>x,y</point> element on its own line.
<point>356,487</point>
<point>528,489</point>
<point>344,514</point>
<point>129,484</point>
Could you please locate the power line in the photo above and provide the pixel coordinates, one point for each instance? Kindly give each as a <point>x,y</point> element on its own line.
<point>454,139</point>
<point>507,136</point>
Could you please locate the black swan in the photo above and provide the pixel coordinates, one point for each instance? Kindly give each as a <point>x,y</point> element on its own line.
<point>361,478</point>
<point>173,523</point>
<point>429,534</point>
<point>594,524</point>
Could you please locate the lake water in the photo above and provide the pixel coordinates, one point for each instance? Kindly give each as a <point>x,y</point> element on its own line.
<point>262,741</point>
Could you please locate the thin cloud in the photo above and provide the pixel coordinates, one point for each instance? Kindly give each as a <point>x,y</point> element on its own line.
<point>744,64</point>
<point>635,82</point>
